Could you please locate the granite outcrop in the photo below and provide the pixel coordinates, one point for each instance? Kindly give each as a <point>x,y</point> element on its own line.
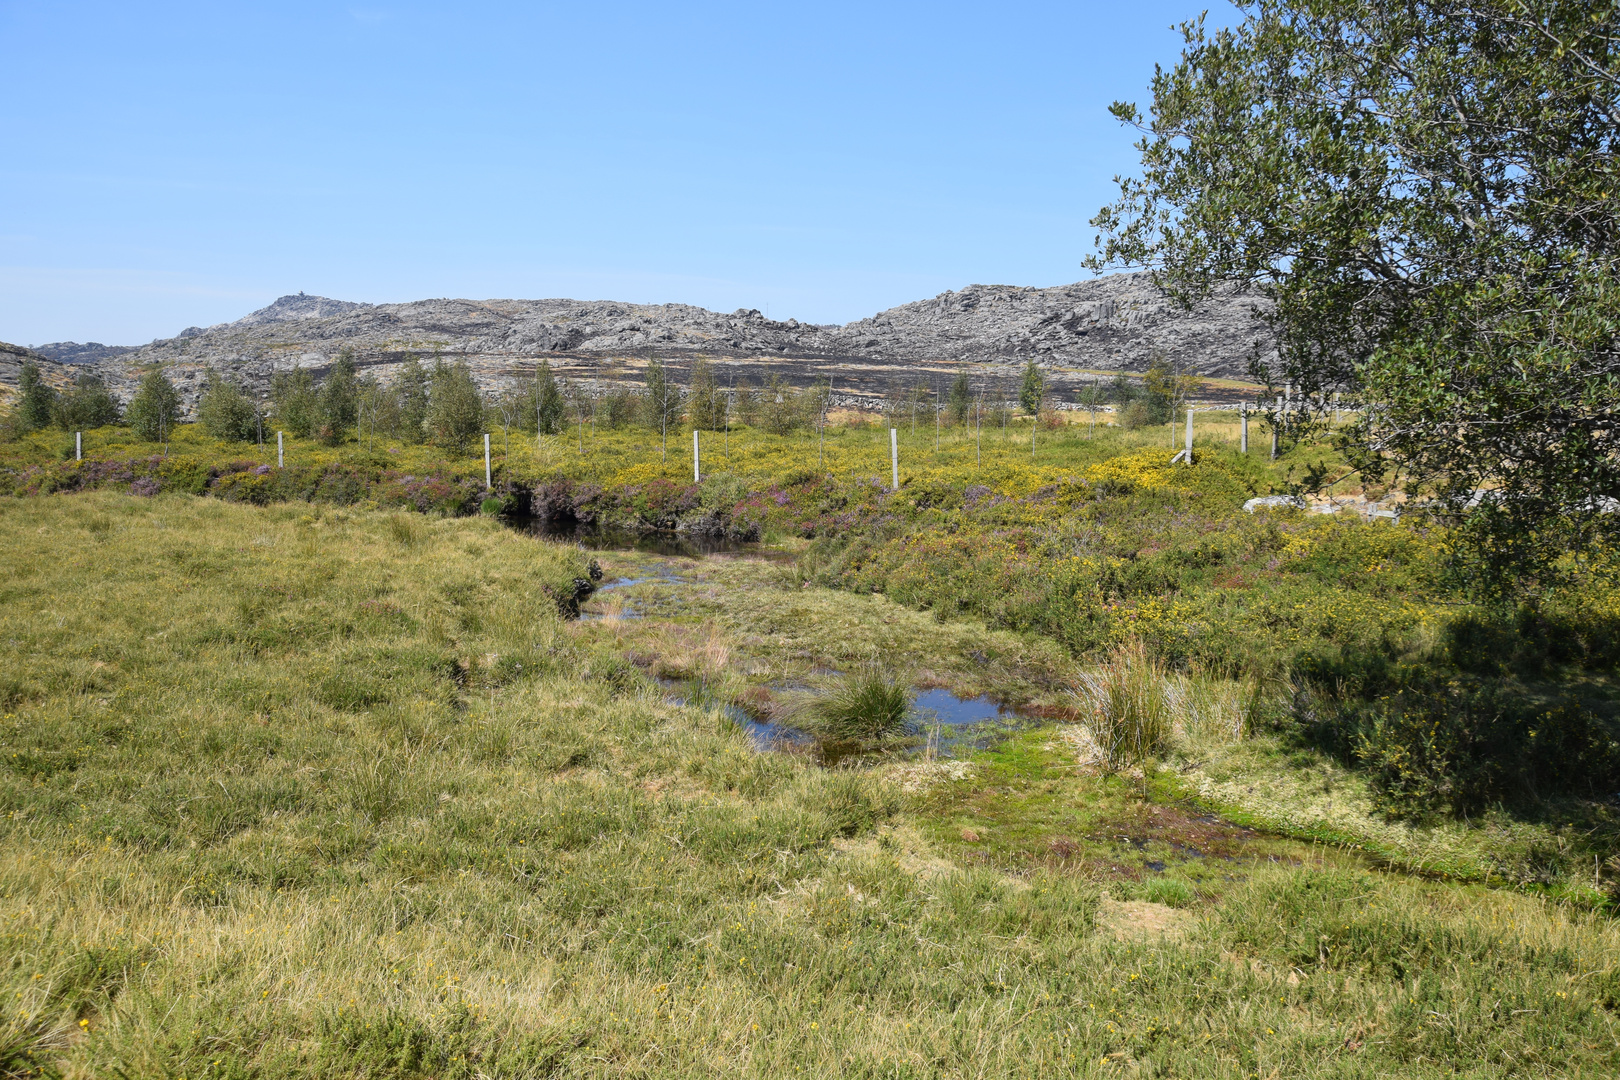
<point>1112,323</point>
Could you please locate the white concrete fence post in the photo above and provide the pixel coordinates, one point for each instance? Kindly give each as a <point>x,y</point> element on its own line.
<point>697,476</point>
<point>894,457</point>
<point>1243,415</point>
<point>78,446</point>
<point>487,485</point>
<point>281,453</point>
<point>1187,460</point>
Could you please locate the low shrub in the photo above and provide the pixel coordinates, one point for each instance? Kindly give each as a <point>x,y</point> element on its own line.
<point>1461,745</point>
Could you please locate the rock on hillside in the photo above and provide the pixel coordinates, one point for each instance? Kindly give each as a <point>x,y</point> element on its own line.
<point>1111,323</point>
<point>297,308</point>
<point>12,359</point>
<point>89,352</point>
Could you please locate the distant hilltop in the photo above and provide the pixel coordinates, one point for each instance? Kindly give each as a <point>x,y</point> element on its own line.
<point>1110,323</point>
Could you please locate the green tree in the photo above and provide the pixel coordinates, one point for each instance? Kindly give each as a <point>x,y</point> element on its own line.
<point>155,408</point>
<point>662,403</point>
<point>377,411</point>
<point>88,405</point>
<point>225,412</point>
<point>1166,389</point>
<point>411,389</point>
<point>1122,389</point>
<point>960,399</point>
<point>296,403</point>
<point>338,407</point>
<point>455,414</point>
<point>550,408</point>
<point>780,408</point>
<point>1424,192</point>
<point>36,401</point>
<point>619,407</point>
<point>705,402</point>
<point>1032,391</point>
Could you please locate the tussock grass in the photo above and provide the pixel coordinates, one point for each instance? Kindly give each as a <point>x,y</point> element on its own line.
<point>1127,701</point>
<point>867,704</point>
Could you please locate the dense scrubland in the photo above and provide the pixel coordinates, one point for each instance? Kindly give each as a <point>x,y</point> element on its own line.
<point>310,771</point>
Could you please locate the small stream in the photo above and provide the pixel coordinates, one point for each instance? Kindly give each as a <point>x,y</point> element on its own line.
<point>596,538</point>
<point>940,720</point>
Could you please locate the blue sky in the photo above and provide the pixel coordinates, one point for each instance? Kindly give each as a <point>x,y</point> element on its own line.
<point>170,165</point>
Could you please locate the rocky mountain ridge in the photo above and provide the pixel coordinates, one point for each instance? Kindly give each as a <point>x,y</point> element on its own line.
<point>1111,323</point>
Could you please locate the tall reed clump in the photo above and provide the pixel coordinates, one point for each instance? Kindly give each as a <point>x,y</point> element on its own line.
<point>868,704</point>
<point>1211,711</point>
<point>1128,702</point>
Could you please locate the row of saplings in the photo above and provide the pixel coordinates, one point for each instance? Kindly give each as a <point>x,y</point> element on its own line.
<point>441,404</point>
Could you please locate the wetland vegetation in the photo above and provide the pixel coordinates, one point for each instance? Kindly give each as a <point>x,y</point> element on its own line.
<point>301,780</point>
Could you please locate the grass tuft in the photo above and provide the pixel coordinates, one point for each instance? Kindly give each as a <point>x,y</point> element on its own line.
<point>868,704</point>
<point>1128,702</point>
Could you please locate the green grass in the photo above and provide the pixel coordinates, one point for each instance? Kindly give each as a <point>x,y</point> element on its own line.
<point>860,707</point>
<point>291,792</point>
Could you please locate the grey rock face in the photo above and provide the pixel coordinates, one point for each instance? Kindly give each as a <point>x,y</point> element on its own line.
<point>1111,323</point>
<point>12,359</point>
<point>89,352</point>
<point>296,308</point>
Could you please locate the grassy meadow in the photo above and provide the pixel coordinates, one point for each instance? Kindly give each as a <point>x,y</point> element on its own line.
<point>300,781</point>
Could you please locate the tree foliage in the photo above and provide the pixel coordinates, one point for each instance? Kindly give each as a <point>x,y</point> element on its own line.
<point>155,408</point>
<point>706,406</point>
<point>225,412</point>
<point>455,413</point>
<point>662,402</point>
<point>1424,191</point>
<point>36,400</point>
<point>1032,391</point>
<point>88,405</point>
<point>296,402</point>
<point>411,390</point>
<point>960,399</point>
<point>338,406</point>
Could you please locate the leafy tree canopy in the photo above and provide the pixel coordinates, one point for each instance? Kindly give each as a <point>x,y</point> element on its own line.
<point>339,403</point>
<point>155,408</point>
<point>296,402</point>
<point>1425,191</point>
<point>961,398</point>
<point>227,413</point>
<point>88,405</point>
<point>1032,391</point>
<point>455,414</point>
<point>36,400</point>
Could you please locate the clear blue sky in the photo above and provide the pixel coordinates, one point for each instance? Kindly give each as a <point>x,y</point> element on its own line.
<point>168,165</point>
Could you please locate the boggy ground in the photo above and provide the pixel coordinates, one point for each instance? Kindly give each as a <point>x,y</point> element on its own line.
<point>303,793</point>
